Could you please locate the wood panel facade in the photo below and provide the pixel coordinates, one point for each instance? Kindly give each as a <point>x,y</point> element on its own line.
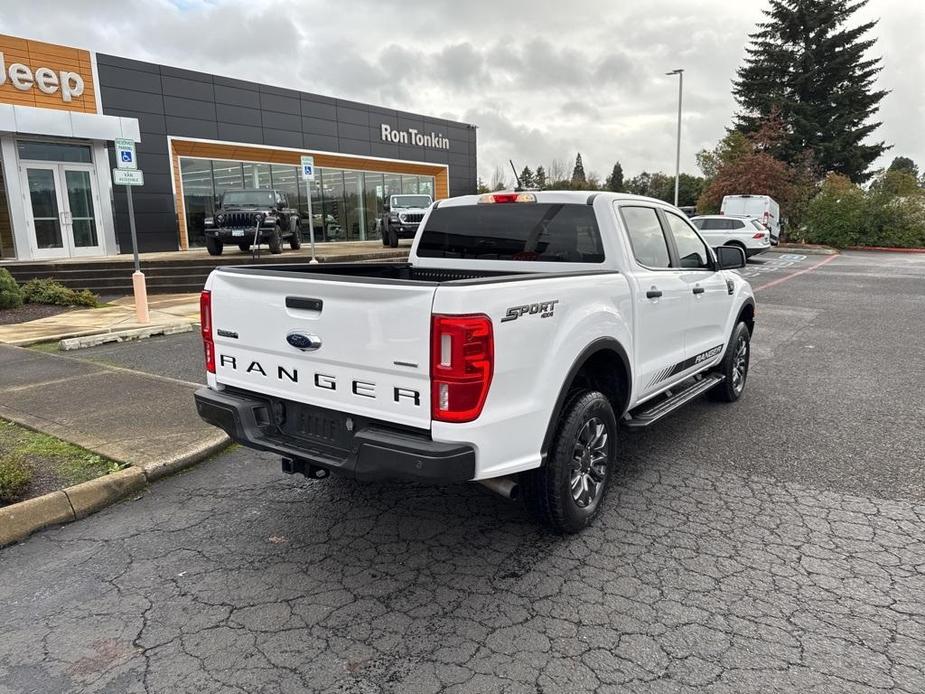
<point>37,54</point>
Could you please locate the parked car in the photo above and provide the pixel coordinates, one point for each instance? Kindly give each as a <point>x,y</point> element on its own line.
<point>761,207</point>
<point>236,221</point>
<point>402,217</point>
<point>525,328</point>
<point>746,233</point>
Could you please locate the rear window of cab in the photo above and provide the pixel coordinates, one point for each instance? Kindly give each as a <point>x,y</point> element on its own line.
<point>537,232</point>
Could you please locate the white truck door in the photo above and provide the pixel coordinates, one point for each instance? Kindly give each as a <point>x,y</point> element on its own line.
<point>708,298</point>
<point>661,300</point>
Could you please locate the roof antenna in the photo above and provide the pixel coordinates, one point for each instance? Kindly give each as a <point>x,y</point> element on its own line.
<point>520,186</point>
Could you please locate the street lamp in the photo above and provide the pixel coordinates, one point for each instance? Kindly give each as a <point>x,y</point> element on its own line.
<point>677,157</point>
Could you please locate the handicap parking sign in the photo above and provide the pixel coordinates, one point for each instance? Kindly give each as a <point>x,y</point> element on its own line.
<point>308,168</point>
<point>125,153</point>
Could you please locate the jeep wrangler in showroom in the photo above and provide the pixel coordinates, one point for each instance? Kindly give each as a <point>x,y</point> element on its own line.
<point>402,217</point>
<point>246,217</point>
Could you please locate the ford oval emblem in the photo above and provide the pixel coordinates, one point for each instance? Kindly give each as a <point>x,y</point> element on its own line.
<point>303,341</point>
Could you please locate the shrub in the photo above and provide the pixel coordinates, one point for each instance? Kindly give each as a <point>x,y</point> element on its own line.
<point>47,291</point>
<point>842,214</point>
<point>15,475</point>
<point>10,293</point>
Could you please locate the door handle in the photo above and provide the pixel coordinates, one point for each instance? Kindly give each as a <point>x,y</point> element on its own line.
<point>698,290</point>
<point>653,293</point>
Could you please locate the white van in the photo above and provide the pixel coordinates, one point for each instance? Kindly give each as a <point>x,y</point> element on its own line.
<point>762,207</point>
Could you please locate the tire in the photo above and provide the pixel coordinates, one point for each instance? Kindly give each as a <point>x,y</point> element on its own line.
<point>275,241</point>
<point>587,428</point>
<point>734,366</point>
<point>214,245</point>
<point>295,241</point>
<point>245,247</point>
<point>384,228</point>
<point>393,237</point>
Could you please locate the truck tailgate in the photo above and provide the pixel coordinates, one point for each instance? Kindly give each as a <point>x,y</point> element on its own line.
<point>374,351</point>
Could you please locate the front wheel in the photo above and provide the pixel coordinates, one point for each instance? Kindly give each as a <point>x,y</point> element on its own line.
<point>393,237</point>
<point>567,492</point>
<point>245,247</point>
<point>384,229</point>
<point>275,242</point>
<point>214,245</point>
<point>295,241</point>
<point>734,366</point>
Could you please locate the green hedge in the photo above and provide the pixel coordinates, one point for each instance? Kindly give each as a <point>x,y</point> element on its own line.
<point>46,291</point>
<point>10,293</point>
<point>842,214</point>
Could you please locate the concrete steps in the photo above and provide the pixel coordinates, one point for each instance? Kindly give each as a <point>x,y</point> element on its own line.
<point>168,275</point>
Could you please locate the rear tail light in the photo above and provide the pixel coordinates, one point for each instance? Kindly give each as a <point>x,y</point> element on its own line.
<point>461,366</point>
<point>759,235</point>
<point>205,323</point>
<point>495,198</point>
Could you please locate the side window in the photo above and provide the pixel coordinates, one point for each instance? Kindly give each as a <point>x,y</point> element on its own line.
<point>646,236</point>
<point>691,250</point>
<point>738,224</point>
<point>281,200</point>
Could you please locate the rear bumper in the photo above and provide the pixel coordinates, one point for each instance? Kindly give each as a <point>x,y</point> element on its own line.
<point>375,452</point>
<point>749,252</point>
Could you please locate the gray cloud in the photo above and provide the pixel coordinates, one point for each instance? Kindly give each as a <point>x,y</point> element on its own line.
<point>542,79</point>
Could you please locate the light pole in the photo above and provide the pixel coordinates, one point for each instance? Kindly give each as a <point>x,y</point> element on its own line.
<point>677,157</point>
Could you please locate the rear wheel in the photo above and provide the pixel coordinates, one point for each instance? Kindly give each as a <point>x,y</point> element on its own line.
<point>295,241</point>
<point>567,492</point>
<point>734,366</point>
<point>275,241</point>
<point>214,245</point>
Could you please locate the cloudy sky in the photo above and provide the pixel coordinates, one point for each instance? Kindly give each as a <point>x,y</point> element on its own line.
<point>541,79</point>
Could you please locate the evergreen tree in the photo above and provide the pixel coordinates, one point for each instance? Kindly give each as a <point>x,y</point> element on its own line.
<point>539,178</point>
<point>805,62</point>
<point>906,165</point>
<point>526,178</point>
<point>578,173</point>
<point>615,179</point>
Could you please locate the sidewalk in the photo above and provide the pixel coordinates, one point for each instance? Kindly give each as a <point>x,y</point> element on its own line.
<point>148,422</point>
<point>130,417</point>
<point>166,310</point>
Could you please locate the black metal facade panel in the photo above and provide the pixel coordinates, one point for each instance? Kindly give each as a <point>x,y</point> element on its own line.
<point>185,103</point>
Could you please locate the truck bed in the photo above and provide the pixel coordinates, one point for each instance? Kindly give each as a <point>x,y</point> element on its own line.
<point>396,273</point>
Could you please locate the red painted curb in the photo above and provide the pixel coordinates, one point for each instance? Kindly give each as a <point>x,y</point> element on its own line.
<point>885,249</point>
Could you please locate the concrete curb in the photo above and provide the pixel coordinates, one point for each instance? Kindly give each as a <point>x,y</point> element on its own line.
<point>806,250</point>
<point>100,338</point>
<point>885,249</point>
<point>18,521</point>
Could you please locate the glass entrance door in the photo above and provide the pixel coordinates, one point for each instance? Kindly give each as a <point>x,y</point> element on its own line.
<point>63,209</point>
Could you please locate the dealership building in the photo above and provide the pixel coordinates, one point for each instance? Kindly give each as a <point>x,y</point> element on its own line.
<point>198,135</point>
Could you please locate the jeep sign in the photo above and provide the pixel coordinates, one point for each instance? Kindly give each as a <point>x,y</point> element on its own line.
<point>413,137</point>
<point>22,77</point>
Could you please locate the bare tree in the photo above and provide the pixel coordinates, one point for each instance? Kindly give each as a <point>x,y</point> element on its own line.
<point>556,171</point>
<point>498,178</point>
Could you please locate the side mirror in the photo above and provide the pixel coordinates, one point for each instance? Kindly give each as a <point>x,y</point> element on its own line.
<point>729,257</point>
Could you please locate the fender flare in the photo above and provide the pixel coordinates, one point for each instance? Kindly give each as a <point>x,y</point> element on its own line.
<point>601,344</point>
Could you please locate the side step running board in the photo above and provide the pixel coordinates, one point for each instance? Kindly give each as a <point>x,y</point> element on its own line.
<point>645,417</point>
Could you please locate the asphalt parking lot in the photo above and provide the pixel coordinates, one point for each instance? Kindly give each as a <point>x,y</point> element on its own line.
<point>774,545</point>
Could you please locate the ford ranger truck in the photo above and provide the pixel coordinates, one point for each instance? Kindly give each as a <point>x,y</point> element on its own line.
<point>525,333</point>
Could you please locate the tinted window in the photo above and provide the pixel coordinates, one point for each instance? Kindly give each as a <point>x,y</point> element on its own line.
<point>245,198</point>
<point>758,225</point>
<point>691,250</point>
<point>712,224</point>
<point>737,224</point>
<point>542,232</point>
<point>646,236</point>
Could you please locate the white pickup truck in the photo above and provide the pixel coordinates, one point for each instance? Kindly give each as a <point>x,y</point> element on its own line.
<point>524,331</point>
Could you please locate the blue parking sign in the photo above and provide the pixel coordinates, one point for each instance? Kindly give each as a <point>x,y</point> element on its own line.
<point>125,153</point>
<point>308,168</point>
<point>126,156</point>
